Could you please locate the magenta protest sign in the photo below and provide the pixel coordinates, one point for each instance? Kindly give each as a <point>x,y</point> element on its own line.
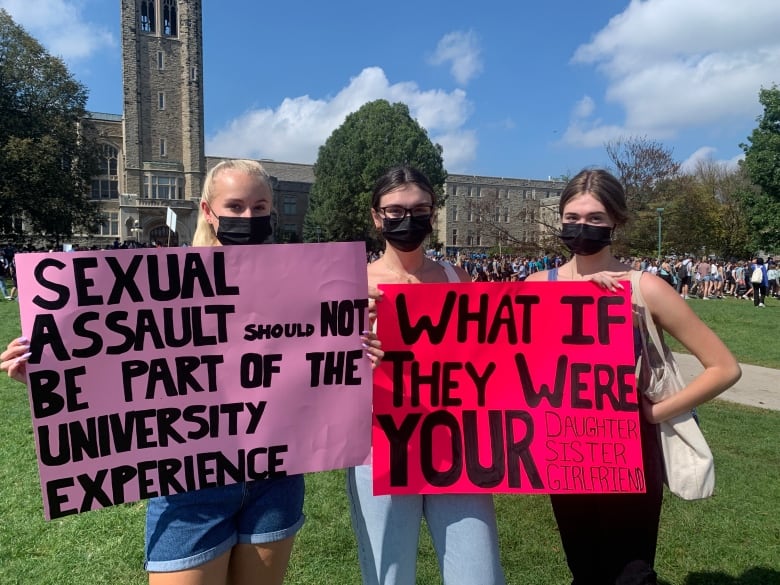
<point>160,371</point>
<point>506,387</point>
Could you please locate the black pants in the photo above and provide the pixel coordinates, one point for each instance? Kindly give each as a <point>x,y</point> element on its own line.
<point>610,539</point>
<point>759,293</point>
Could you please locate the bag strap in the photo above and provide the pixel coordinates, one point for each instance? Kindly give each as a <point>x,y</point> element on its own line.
<point>646,315</point>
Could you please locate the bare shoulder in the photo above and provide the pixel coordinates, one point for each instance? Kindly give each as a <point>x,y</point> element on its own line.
<point>540,276</point>
<point>660,296</point>
<point>462,274</point>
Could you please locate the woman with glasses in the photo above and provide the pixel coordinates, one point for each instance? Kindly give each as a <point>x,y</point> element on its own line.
<point>462,527</point>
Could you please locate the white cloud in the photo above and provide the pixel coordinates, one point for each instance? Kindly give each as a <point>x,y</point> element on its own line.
<point>586,131</point>
<point>299,126</point>
<point>462,51</point>
<point>61,26</point>
<point>584,107</point>
<point>674,65</point>
<point>707,154</point>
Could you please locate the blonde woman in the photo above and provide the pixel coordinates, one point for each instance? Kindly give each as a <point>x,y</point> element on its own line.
<point>239,533</point>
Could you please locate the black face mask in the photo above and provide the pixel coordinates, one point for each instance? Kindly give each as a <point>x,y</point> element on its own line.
<point>584,239</point>
<point>408,233</point>
<point>243,230</point>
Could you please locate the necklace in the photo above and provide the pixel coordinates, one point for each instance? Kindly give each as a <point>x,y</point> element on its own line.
<point>409,276</point>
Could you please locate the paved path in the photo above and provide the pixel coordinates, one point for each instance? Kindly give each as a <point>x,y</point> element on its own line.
<point>758,386</point>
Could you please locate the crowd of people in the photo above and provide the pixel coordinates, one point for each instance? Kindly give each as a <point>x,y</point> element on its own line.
<point>245,532</point>
<point>704,278</point>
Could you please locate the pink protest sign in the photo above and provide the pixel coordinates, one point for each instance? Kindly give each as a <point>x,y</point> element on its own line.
<point>160,371</point>
<point>506,387</point>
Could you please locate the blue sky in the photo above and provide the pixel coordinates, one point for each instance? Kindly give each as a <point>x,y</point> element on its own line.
<point>510,89</point>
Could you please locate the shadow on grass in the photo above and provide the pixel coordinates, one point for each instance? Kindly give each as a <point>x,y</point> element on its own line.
<point>754,576</point>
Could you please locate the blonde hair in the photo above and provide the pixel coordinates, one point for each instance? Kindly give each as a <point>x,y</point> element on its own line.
<point>204,232</point>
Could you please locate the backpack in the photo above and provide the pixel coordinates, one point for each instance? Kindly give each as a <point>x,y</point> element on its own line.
<point>757,276</point>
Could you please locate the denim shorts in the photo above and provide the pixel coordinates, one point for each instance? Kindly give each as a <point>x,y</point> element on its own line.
<point>189,529</point>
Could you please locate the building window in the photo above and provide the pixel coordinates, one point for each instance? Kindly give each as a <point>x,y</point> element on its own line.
<point>163,147</point>
<point>104,189</point>
<point>160,60</point>
<point>454,238</point>
<point>290,232</point>
<point>106,184</point>
<point>162,187</point>
<point>110,224</point>
<point>454,213</point>
<point>497,214</point>
<point>290,206</point>
<point>161,100</point>
<point>147,16</point>
<point>169,18</point>
<point>193,74</point>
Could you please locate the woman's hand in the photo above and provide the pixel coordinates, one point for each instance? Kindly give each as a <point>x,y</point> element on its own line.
<point>374,296</point>
<point>373,347</point>
<point>14,359</point>
<point>608,280</point>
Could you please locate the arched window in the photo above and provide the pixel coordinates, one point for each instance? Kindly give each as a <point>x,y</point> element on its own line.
<point>106,184</point>
<point>169,18</point>
<point>147,16</point>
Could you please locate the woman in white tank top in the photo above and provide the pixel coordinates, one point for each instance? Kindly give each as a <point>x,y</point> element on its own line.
<point>463,527</point>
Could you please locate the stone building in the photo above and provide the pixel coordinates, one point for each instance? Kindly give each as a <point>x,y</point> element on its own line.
<point>154,154</point>
<point>484,213</point>
<point>154,159</point>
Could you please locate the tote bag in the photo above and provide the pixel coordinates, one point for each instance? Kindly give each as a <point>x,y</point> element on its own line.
<point>688,462</point>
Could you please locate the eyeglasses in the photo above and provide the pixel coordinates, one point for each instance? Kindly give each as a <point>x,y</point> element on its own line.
<point>398,212</point>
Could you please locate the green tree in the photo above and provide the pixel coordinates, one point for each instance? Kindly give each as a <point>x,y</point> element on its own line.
<point>702,214</point>
<point>48,152</point>
<point>762,164</point>
<point>689,218</point>
<point>643,166</point>
<point>374,138</point>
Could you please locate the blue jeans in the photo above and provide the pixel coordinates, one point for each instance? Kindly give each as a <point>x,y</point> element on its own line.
<point>462,526</point>
<point>187,530</point>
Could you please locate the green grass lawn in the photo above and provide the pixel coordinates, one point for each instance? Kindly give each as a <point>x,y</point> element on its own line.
<point>751,333</point>
<point>730,539</point>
